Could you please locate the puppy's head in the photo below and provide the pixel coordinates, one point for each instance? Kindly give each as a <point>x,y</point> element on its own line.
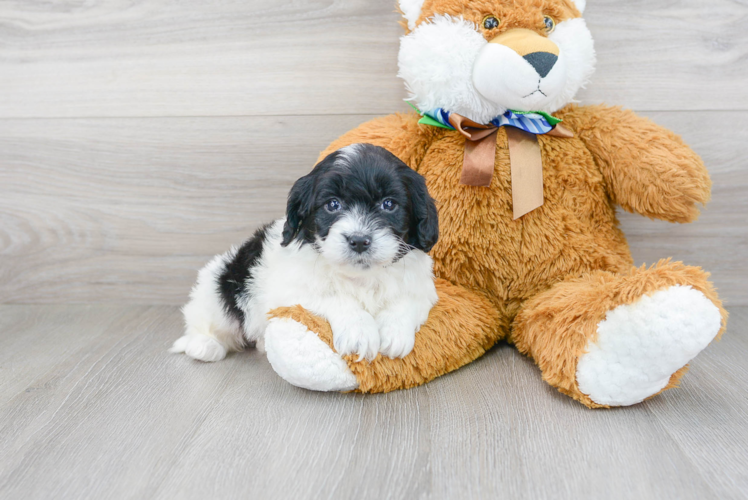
<point>362,207</point>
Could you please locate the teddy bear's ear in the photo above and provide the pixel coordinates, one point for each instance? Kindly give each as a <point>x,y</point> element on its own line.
<point>411,10</point>
<point>581,4</point>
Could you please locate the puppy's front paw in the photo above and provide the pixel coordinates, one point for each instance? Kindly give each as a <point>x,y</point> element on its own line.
<point>356,335</point>
<point>200,347</point>
<point>397,337</point>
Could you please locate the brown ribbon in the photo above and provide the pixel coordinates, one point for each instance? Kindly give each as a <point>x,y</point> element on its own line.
<point>524,154</point>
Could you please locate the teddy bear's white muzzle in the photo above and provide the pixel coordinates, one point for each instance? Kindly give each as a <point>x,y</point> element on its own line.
<point>512,81</point>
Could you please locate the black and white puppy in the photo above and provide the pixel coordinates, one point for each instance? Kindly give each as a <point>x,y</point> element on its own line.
<point>351,249</point>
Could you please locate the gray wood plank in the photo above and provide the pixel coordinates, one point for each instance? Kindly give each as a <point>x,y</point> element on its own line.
<point>88,207</point>
<point>327,445</point>
<point>513,436</point>
<point>194,58</point>
<point>126,210</point>
<point>124,419</point>
<point>703,418</point>
<point>96,425</point>
<point>35,341</point>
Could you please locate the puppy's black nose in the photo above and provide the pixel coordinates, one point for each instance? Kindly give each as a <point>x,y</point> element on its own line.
<point>543,62</point>
<point>359,243</point>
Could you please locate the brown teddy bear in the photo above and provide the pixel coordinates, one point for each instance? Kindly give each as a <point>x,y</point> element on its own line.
<point>526,182</point>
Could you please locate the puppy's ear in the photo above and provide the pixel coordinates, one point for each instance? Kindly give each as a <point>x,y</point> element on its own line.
<point>424,218</point>
<point>301,199</point>
<point>300,204</point>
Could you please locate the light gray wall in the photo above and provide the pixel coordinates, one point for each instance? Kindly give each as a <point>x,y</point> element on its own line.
<point>138,138</point>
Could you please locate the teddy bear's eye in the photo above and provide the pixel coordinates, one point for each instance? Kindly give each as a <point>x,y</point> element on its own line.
<point>491,22</point>
<point>550,24</point>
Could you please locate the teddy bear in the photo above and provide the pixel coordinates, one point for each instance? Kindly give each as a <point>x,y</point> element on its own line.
<point>526,183</point>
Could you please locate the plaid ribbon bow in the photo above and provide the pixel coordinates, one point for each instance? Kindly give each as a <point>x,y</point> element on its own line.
<point>535,122</point>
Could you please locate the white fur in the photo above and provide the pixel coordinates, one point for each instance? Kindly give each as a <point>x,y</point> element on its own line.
<point>202,347</point>
<point>640,346</point>
<point>581,4</point>
<point>411,11</point>
<point>348,154</point>
<point>447,63</point>
<point>577,51</point>
<point>359,302</point>
<point>210,332</point>
<point>302,359</point>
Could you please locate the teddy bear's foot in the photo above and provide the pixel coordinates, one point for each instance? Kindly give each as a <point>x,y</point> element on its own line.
<point>616,339</point>
<point>301,358</point>
<point>641,345</point>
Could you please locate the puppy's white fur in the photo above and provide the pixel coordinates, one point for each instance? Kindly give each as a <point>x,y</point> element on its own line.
<point>371,309</point>
<point>210,332</point>
<point>336,249</point>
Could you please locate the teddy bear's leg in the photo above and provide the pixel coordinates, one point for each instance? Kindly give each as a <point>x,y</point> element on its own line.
<point>460,328</point>
<point>617,339</point>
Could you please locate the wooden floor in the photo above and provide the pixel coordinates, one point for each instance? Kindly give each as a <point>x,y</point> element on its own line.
<point>92,406</point>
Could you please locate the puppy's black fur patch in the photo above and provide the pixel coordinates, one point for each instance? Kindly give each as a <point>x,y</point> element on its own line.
<point>233,281</point>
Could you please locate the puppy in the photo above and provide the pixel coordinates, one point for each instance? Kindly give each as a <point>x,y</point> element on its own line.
<point>351,249</point>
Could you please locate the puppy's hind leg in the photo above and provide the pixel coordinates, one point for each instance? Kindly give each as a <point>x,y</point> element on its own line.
<point>211,332</point>
<point>200,347</point>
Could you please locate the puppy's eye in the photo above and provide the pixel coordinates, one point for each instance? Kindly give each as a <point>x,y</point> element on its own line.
<point>332,206</point>
<point>550,24</point>
<point>491,22</point>
<point>389,205</point>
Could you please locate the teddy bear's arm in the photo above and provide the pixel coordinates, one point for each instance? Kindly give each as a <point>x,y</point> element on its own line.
<point>649,169</point>
<point>400,134</point>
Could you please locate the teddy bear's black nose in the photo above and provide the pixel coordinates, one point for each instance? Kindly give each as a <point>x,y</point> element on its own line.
<point>543,62</point>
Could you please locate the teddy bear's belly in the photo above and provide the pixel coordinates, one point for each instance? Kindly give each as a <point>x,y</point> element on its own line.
<point>481,247</point>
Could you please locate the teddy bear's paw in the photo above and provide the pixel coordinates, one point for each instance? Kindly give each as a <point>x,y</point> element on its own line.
<point>302,359</point>
<point>640,346</point>
<point>199,347</point>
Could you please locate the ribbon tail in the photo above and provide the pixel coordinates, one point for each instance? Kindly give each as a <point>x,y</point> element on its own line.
<point>561,131</point>
<point>478,163</point>
<point>527,171</point>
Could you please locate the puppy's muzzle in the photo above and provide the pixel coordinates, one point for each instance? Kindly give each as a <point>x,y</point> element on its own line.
<point>360,243</point>
<point>539,51</point>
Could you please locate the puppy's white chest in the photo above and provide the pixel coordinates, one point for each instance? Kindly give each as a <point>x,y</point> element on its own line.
<point>371,293</point>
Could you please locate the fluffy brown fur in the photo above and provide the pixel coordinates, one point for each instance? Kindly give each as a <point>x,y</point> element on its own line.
<point>544,281</point>
<point>518,13</point>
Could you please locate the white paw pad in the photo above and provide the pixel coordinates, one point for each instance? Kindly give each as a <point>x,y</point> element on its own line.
<point>200,347</point>
<point>301,358</point>
<point>639,346</point>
